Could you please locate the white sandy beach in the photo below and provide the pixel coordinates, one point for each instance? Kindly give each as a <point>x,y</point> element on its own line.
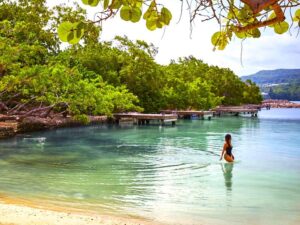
<point>11,214</point>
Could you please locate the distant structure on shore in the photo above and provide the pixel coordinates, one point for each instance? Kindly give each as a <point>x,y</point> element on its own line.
<point>277,103</point>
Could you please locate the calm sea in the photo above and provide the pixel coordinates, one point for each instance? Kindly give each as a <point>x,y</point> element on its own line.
<point>166,174</point>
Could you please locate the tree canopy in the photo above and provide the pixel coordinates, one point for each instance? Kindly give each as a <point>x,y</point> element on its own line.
<point>242,19</point>
<point>98,78</point>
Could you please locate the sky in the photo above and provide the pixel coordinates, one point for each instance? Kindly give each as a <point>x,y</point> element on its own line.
<point>270,51</point>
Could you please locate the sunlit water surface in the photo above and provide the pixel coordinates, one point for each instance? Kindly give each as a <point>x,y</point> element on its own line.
<point>166,174</point>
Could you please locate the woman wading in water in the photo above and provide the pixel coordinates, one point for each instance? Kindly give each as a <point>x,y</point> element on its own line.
<point>227,149</point>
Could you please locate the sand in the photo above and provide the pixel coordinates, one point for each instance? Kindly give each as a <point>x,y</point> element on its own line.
<point>19,214</point>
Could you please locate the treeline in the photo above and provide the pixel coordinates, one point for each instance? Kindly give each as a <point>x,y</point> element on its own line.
<point>289,92</point>
<point>37,76</point>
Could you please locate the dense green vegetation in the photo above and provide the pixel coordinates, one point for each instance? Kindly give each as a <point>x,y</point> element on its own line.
<point>98,78</point>
<point>278,84</point>
<point>287,92</point>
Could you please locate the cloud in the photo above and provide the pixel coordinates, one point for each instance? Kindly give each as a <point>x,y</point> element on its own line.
<point>271,52</point>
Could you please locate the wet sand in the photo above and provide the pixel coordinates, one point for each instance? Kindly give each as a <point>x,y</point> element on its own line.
<point>19,214</point>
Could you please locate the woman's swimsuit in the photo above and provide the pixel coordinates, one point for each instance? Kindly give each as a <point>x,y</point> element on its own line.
<point>229,151</point>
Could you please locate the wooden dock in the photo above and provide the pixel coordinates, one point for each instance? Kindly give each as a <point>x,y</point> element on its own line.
<point>190,113</point>
<point>142,119</point>
<point>236,111</point>
<point>273,103</point>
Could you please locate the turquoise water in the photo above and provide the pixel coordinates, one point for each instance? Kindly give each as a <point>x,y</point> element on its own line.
<point>166,174</point>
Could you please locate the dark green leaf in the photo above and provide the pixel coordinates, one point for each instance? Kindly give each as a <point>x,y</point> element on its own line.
<point>125,13</point>
<point>136,14</point>
<point>281,28</point>
<point>91,2</point>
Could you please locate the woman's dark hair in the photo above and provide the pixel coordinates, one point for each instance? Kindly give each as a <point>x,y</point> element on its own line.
<point>227,138</point>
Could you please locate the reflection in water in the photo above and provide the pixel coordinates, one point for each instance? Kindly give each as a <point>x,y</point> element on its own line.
<point>167,174</point>
<point>227,172</point>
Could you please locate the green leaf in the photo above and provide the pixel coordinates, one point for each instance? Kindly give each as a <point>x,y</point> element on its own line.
<point>136,14</point>
<point>74,41</point>
<point>153,16</point>
<point>151,24</point>
<point>70,36</point>
<point>222,45</point>
<point>219,39</point>
<point>255,33</point>
<point>245,15</point>
<point>297,16</point>
<point>150,11</point>
<point>216,38</point>
<point>272,16</point>
<point>153,4</point>
<point>281,28</point>
<point>71,32</point>
<point>105,4</point>
<point>128,13</point>
<point>241,35</point>
<point>91,2</point>
<point>81,26</point>
<point>79,33</point>
<point>166,16</point>
<point>116,4</point>
<point>138,3</point>
<point>125,13</point>
<point>159,24</point>
<point>64,30</point>
<point>147,14</point>
<point>232,14</point>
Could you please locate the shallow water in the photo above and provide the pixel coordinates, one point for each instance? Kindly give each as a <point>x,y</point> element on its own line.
<point>167,174</point>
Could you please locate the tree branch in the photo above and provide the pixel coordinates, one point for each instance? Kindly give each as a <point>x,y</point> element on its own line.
<point>279,18</point>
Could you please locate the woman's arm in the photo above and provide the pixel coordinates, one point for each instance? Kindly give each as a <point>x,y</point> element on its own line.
<point>223,150</point>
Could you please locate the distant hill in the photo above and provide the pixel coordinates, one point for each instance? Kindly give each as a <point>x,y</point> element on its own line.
<point>279,76</point>
<point>278,84</point>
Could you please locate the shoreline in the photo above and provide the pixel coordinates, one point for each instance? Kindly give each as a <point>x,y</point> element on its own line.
<point>11,126</point>
<point>25,212</point>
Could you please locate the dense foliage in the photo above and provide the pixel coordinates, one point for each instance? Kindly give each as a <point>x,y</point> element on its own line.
<point>34,79</point>
<point>242,19</point>
<point>98,78</point>
<point>278,84</point>
<point>289,92</point>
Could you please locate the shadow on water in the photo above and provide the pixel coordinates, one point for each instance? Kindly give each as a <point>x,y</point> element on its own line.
<point>227,173</point>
